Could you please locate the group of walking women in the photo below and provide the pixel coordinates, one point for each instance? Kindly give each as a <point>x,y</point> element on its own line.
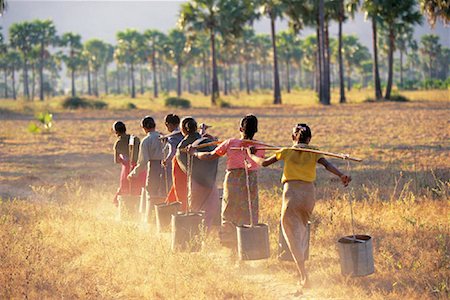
<point>189,153</point>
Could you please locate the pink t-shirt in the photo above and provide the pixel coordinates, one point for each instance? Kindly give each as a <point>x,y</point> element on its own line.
<point>235,158</point>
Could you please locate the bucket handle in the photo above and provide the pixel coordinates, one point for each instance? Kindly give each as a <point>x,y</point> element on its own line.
<point>189,165</point>
<point>351,206</point>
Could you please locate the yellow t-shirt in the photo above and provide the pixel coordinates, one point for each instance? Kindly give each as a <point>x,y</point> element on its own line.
<point>298,165</point>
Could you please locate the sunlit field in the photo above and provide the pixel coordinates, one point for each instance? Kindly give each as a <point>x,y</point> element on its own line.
<point>60,237</point>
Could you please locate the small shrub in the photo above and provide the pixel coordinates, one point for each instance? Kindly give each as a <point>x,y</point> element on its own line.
<point>97,104</point>
<point>177,102</point>
<point>33,128</point>
<point>398,98</point>
<point>77,103</point>
<point>130,105</point>
<point>222,103</point>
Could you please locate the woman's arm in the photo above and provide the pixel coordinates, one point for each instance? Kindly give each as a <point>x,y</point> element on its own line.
<point>201,155</point>
<point>331,168</point>
<point>264,162</point>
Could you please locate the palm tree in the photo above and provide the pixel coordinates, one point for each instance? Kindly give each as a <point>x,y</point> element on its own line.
<point>372,9</point>
<point>430,48</point>
<point>155,40</point>
<point>73,60</point>
<point>436,9</point>
<point>21,38</point>
<point>263,51</point>
<point>129,42</point>
<point>287,42</point>
<point>225,17</point>
<point>355,54</point>
<point>108,58</point>
<point>14,59</point>
<point>395,14</point>
<point>405,40</point>
<point>274,9</point>
<point>45,35</point>
<point>178,52</point>
<point>97,51</point>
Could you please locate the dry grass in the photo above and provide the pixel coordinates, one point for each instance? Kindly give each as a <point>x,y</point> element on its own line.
<point>61,239</point>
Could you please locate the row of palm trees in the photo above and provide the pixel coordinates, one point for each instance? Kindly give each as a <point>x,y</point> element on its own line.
<point>212,31</point>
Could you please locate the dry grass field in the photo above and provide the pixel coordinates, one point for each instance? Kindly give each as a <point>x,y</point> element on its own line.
<point>60,237</point>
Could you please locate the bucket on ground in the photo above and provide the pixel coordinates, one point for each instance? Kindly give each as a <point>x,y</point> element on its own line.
<point>283,250</point>
<point>356,255</point>
<point>129,207</point>
<point>163,214</point>
<point>187,231</point>
<point>253,242</point>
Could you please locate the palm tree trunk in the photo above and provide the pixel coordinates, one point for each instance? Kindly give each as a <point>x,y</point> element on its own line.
<point>179,80</point>
<point>13,79</point>
<point>26,90</point>
<point>288,81</point>
<point>376,73</point>
<point>205,75</point>
<point>276,75</point>
<point>105,79</point>
<point>241,82</point>
<point>89,81</point>
<point>349,78</point>
<point>247,79</point>
<point>390,62</point>
<point>341,63</point>
<point>141,81</point>
<point>133,90</point>
<point>230,78</point>
<point>155,80</point>
<point>72,76</point>
<point>225,80</point>
<point>119,90</point>
<point>401,69</point>
<point>215,81</point>
<point>324,85</point>
<point>33,81</point>
<point>264,77</point>
<point>41,73</point>
<point>6,82</point>
<point>96,83</point>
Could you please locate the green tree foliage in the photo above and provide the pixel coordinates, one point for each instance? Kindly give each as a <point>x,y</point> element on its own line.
<point>436,9</point>
<point>129,43</point>
<point>225,17</point>
<point>72,58</point>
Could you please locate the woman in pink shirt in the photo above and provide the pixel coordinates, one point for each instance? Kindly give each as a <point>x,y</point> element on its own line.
<point>235,208</point>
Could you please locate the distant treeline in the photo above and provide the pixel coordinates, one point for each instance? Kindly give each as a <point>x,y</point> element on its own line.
<point>214,48</point>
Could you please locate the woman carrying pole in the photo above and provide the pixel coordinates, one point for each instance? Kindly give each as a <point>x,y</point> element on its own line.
<point>204,193</point>
<point>299,174</point>
<point>235,208</point>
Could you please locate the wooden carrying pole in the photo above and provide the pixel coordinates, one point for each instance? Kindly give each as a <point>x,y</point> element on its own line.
<point>341,156</point>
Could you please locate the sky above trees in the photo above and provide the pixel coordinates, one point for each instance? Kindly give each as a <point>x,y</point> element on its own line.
<point>102,19</point>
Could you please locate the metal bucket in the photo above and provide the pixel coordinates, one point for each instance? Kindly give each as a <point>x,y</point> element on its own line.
<point>129,208</point>
<point>356,255</point>
<point>149,206</point>
<point>253,242</point>
<point>187,231</point>
<point>283,250</point>
<point>163,213</point>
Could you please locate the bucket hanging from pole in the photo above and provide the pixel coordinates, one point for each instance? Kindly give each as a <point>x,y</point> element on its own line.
<point>355,251</point>
<point>253,239</point>
<point>150,205</point>
<point>187,231</point>
<point>283,250</point>
<point>188,226</point>
<point>356,255</point>
<point>163,214</point>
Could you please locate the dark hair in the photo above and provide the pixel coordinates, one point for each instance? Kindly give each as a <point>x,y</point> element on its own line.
<point>119,127</point>
<point>303,131</point>
<point>148,122</point>
<point>189,125</point>
<point>249,125</point>
<point>172,119</point>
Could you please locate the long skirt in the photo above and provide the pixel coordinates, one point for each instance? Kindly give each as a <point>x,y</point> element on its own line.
<point>235,205</point>
<point>178,191</point>
<point>205,199</point>
<point>136,184</point>
<point>298,204</point>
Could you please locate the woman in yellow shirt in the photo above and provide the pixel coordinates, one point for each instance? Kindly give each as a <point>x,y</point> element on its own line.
<point>299,173</point>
